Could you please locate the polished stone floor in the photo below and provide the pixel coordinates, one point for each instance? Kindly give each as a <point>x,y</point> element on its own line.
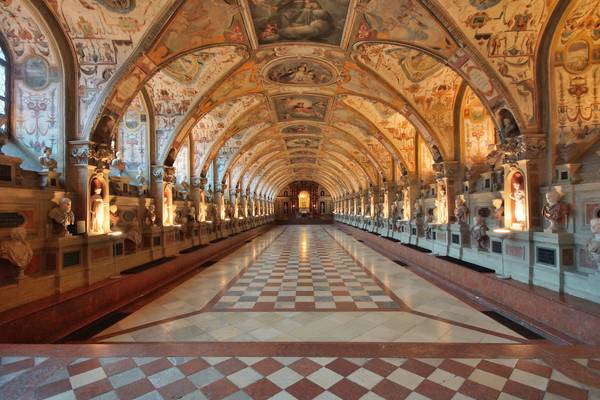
<point>304,312</point>
<point>269,291</point>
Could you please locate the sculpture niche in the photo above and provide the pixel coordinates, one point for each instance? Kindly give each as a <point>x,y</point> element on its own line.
<point>518,199</point>
<point>97,207</point>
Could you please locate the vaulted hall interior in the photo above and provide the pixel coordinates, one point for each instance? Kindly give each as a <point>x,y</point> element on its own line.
<point>252,199</point>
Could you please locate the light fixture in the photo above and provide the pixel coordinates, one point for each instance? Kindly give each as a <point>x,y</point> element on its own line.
<point>502,231</point>
<point>115,233</point>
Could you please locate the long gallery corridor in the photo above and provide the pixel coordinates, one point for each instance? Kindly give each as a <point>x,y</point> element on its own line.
<point>305,312</point>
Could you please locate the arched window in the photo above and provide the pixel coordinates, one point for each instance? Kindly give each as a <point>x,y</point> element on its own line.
<point>4,91</point>
<point>322,193</point>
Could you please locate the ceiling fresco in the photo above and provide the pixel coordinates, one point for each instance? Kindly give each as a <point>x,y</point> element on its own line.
<point>310,107</point>
<point>104,34</point>
<point>39,87</point>
<point>307,72</point>
<point>320,21</point>
<point>353,90</point>
<point>575,80</point>
<point>175,90</point>
<point>301,129</point>
<point>507,34</point>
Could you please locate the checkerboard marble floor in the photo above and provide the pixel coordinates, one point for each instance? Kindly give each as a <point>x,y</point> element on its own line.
<point>308,283</point>
<point>303,312</point>
<point>306,273</point>
<point>297,378</point>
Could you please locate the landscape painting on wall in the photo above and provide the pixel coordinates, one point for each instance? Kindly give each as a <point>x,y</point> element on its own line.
<point>319,21</point>
<point>309,107</point>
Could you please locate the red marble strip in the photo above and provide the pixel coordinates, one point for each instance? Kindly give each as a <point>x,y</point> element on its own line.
<point>471,327</point>
<point>574,370</point>
<point>307,349</point>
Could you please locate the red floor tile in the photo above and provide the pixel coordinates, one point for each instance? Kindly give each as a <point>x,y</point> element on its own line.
<point>262,389</point>
<point>93,389</point>
<point>53,389</point>
<point>478,391</point>
<point>17,366</point>
<point>434,391</point>
<point>522,391</point>
<point>193,366</point>
<point>390,390</point>
<point>496,369</point>
<point>567,391</point>
<point>379,367</point>
<point>219,389</point>
<point>178,389</point>
<point>230,366</point>
<point>348,390</point>
<point>534,368</point>
<point>304,366</point>
<point>418,367</point>
<point>156,366</point>
<point>457,368</point>
<point>342,366</point>
<point>267,366</point>
<point>83,366</point>
<point>135,389</point>
<point>305,390</point>
<point>119,366</point>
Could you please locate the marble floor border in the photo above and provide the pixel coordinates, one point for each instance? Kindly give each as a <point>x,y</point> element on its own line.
<point>304,349</point>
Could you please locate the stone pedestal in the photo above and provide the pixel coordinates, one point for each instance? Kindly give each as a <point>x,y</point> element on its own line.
<point>417,231</point>
<point>153,240</point>
<point>170,237</point>
<point>460,239</point>
<point>441,239</point>
<point>67,257</point>
<point>49,179</point>
<point>103,253</point>
<point>554,253</point>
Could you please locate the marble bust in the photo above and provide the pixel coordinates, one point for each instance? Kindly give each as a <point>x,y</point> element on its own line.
<point>17,250</point>
<point>46,160</point>
<point>555,211</point>
<point>461,212</point>
<point>119,163</point>
<point>150,218</point>
<point>479,232</point>
<point>62,216</point>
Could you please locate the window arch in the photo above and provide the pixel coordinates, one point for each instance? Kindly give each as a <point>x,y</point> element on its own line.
<point>4,90</point>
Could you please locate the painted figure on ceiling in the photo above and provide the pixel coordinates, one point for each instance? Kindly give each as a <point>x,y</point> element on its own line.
<point>297,20</point>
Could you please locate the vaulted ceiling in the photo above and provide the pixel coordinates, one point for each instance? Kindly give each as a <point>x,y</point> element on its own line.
<point>349,93</point>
